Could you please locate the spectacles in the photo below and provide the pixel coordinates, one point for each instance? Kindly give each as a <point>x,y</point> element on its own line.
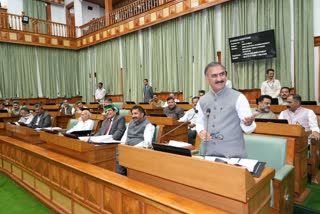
<point>217,136</point>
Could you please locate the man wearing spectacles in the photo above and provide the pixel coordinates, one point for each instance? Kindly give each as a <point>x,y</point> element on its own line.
<point>295,114</point>
<point>223,116</point>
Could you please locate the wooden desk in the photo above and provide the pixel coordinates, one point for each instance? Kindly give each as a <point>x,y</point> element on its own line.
<point>45,107</point>
<point>168,123</point>
<point>99,155</point>
<point>23,133</point>
<point>150,109</point>
<point>164,95</point>
<point>314,161</point>
<point>62,120</point>
<point>8,117</point>
<point>300,138</point>
<point>70,186</point>
<point>2,128</point>
<point>227,187</point>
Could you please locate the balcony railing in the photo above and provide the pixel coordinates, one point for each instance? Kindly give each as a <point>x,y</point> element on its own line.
<point>12,21</point>
<point>134,9</point>
<point>15,22</point>
<point>92,26</point>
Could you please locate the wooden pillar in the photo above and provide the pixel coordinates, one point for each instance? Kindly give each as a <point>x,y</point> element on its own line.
<point>3,18</point>
<point>108,10</point>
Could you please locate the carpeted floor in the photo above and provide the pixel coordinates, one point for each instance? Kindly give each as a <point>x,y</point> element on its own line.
<point>15,200</point>
<point>312,204</point>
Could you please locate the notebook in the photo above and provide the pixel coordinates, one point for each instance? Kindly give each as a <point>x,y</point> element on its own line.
<point>130,102</point>
<point>157,115</point>
<point>77,134</point>
<point>171,149</point>
<point>264,120</point>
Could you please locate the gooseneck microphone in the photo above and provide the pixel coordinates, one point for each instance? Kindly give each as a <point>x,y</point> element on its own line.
<point>172,130</point>
<point>208,111</point>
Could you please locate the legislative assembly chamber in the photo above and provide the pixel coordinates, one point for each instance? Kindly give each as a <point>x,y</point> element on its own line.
<point>159,106</point>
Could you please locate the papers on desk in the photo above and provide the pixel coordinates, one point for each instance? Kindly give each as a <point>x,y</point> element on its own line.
<point>99,139</point>
<point>52,128</point>
<point>178,143</point>
<point>255,167</point>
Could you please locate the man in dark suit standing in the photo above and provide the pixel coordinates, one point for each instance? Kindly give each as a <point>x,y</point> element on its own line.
<point>147,91</point>
<point>114,124</point>
<point>42,118</point>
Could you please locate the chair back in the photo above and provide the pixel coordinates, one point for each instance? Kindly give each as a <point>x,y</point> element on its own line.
<point>124,112</point>
<point>72,123</point>
<point>271,150</point>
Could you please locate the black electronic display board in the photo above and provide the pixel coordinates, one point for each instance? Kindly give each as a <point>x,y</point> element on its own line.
<point>260,45</point>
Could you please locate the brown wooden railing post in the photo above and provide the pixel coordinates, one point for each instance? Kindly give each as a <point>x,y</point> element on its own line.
<point>3,18</point>
<point>108,10</point>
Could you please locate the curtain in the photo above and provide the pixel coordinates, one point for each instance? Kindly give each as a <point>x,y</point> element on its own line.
<point>304,49</point>
<point>35,9</point>
<point>241,17</point>
<point>17,71</point>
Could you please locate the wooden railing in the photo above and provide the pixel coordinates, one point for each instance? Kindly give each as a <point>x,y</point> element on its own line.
<point>14,22</point>
<point>92,26</point>
<point>134,9</point>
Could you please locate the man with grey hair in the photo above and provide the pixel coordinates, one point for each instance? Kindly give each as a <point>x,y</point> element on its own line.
<point>85,123</point>
<point>223,116</point>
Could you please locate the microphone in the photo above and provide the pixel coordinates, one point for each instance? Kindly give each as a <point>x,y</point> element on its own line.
<point>88,141</point>
<point>172,130</point>
<point>208,111</point>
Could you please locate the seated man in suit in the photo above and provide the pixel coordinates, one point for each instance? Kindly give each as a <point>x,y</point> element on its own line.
<point>42,118</point>
<point>172,110</point>
<point>85,123</point>
<point>295,114</point>
<point>263,108</point>
<point>139,133</point>
<point>26,116</point>
<point>114,124</point>
<point>66,108</point>
<point>16,108</point>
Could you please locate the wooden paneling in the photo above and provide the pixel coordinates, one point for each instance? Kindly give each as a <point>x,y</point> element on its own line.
<point>67,185</point>
<point>232,189</point>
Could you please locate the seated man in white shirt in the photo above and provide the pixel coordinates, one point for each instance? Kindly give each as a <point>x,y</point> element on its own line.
<point>295,114</point>
<point>139,133</point>
<point>85,123</point>
<point>191,116</point>
<point>26,116</point>
<point>284,93</point>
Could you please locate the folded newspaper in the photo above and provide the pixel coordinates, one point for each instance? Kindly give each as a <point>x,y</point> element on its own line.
<point>99,139</point>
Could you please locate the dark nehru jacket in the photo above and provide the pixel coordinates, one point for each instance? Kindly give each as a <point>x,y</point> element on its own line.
<point>135,132</point>
<point>176,112</point>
